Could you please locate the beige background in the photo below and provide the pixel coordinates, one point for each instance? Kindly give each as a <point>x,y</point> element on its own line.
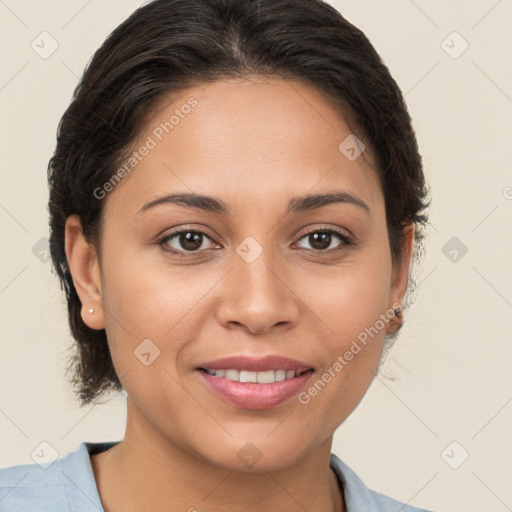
<point>449,375</point>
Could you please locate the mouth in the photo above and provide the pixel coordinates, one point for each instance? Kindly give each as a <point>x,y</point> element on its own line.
<point>254,390</point>
<point>252,382</point>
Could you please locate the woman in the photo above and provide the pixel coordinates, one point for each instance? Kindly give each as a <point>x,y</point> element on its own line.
<point>236,198</point>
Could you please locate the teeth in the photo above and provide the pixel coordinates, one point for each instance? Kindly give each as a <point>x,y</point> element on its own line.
<point>266,377</point>
<point>231,374</point>
<point>280,375</point>
<point>245,376</point>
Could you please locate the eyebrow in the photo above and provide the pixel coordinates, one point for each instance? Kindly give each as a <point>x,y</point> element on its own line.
<point>296,204</point>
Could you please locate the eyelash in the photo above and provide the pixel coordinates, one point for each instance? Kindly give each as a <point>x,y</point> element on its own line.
<point>346,241</point>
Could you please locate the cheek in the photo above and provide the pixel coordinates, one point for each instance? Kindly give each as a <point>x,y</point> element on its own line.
<point>159,303</point>
<point>354,296</point>
<point>352,304</point>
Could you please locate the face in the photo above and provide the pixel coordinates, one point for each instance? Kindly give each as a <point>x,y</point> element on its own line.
<point>257,271</point>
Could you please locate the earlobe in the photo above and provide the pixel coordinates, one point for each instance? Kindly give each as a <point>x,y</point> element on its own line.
<point>84,267</point>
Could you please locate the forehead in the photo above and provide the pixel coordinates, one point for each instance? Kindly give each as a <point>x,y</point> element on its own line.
<point>254,139</point>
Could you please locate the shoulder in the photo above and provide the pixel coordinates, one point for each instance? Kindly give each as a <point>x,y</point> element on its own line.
<point>359,498</point>
<point>62,485</point>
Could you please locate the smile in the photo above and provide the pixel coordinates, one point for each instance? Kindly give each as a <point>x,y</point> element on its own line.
<point>240,389</point>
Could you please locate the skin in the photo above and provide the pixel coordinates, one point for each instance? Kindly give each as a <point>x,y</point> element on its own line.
<point>254,144</point>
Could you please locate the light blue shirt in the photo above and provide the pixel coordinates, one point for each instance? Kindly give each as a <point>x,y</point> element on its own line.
<point>68,484</point>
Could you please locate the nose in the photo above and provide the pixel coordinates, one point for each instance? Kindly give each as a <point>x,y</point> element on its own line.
<point>258,296</point>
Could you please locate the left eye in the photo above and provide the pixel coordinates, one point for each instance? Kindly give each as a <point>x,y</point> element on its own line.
<point>321,240</point>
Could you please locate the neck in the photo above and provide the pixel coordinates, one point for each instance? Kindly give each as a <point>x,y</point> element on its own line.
<point>148,472</point>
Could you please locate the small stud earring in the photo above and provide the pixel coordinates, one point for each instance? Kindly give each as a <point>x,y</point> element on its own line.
<point>91,311</point>
<point>398,312</point>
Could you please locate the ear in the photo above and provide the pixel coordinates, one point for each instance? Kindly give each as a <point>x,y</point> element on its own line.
<point>400,276</point>
<point>84,267</point>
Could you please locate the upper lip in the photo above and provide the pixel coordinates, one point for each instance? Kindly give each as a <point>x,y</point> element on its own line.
<point>270,362</point>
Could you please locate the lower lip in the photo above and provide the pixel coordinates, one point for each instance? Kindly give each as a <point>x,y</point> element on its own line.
<point>255,396</point>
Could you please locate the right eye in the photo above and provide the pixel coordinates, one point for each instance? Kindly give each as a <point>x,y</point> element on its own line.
<point>185,241</point>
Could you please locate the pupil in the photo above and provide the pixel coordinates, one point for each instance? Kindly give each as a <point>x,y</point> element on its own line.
<point>320,240</point>
<point>190,241</point>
